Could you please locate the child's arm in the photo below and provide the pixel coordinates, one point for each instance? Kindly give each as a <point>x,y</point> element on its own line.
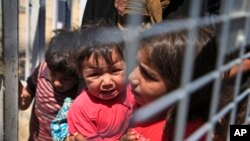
<point>24,97</point>
<point>26,93</point>
<point>245,68</point>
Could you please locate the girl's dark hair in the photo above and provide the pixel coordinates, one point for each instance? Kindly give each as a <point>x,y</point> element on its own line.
<point>60,50</point>
<point>100,42</point>
<point>165,53</point>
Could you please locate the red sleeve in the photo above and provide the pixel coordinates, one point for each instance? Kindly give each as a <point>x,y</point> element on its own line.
<point>79,120</point>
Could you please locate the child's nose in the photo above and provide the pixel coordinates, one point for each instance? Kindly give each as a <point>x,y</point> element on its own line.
<point>132,77</point>
<point>134,82</point>
<point>106,83</point>
<point>132,74</point>
<point>57,83</point>
<point>106,79</point>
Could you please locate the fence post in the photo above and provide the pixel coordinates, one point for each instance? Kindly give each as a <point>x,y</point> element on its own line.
<point>10,50</point>
<point>1,76</point>
<point>37,31</point>
<point>62,14</point>
<point>83,4</point>
<point>27,45</point>
<point>1,106</point>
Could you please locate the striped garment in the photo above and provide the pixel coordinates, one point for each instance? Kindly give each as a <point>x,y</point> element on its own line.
<point>46,104</point>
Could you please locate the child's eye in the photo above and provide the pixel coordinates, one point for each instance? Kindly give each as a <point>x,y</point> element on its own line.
<point>146,74</point>
<point>93,75</point>
<point>116,70</point>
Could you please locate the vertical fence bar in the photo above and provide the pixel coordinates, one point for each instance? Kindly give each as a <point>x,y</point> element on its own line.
<point>247,3</point>
<point>194,10</point>
<point>34,17</point>
<point>239,74</point>
<point>247,116</point>
<point>37,31</point>
<point>41,29</point>
<point>220,59</point>
<point>236,88</point>
<point>54,14</point>
<point>64,14</point>
<point>1,107</point>
<point>1,76</point>
<point>28,46</point>
<point>61,14</point>
<point>82,9</point>
<point>241,40</point>
<point>132,41</point>
<point>10,49</point>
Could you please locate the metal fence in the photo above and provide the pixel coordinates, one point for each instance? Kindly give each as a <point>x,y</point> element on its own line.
<point>235,21</point>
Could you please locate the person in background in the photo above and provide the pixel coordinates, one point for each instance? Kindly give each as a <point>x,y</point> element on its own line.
<point>227,94</point>
<point>151,11</point>
<point>100,10</point>
<point>51,82</point>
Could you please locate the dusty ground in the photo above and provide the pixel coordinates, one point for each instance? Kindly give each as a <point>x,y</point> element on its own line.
<point>25,115</point>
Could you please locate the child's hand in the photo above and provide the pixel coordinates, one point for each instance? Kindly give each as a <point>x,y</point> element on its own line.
<point>131,135</point>
<point>120,6</point>
<point>24,97</point>
<point>77,137</point>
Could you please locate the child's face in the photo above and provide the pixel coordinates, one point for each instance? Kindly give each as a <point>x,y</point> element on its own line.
<point>147,84</point>
<point>103,80</point>
<point>62,82</point>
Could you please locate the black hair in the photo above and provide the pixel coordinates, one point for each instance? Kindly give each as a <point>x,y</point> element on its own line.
<point>165,53</point>
<point>99,41</point>
<point>61,48</point>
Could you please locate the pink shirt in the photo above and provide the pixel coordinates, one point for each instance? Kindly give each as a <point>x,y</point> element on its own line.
<point>100,120</point>
<point>154,131</point>
<point>151,131</point>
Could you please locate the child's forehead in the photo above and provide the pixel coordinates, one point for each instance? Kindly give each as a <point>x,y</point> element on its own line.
<point>99,56</point>
<point>96,59</point>
<point>61,73</point>
<point>144,54</point>
<point>102,65</point>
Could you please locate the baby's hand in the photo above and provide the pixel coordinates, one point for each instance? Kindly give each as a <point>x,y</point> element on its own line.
<point>131,135</point>
<point>76,137</point>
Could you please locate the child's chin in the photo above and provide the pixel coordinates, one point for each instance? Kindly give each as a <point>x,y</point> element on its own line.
<point>61,90</point>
